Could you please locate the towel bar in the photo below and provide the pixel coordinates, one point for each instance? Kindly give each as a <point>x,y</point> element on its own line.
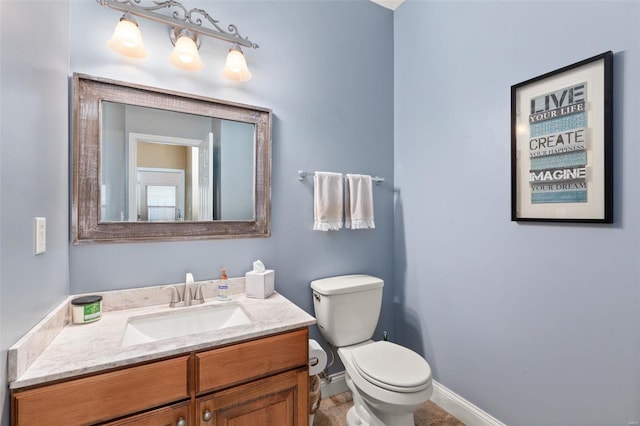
<point>302,174</point>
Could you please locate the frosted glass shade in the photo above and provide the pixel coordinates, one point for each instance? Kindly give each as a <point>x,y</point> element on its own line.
<point>185,54</point>
<point>127,40</point>
<point>236,66</point>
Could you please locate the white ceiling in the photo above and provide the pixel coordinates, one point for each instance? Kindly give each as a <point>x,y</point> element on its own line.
<point>389,4</point>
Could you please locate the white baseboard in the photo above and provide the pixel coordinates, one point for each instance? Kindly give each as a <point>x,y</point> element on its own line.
<point>459,407</point>
<point>453,403</point>
<point>334,385</point>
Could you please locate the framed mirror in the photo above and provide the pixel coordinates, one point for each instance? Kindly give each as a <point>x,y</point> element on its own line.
<point>158,165</point>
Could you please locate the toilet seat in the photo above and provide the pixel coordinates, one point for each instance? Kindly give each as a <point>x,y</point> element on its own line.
<point>392,367</point>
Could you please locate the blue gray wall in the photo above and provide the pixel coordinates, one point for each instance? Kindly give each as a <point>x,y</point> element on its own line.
<point>34,68</point>
<point>332,103</point>
<point>537,324</point>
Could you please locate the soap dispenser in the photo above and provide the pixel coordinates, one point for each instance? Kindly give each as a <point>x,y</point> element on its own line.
<point>223,285</point>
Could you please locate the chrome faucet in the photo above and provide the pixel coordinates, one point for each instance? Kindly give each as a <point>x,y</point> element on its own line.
<point>188,298</point>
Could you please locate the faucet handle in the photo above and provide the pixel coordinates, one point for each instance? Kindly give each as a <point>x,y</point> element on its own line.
<point>198,298</point>
<point>175,298</point>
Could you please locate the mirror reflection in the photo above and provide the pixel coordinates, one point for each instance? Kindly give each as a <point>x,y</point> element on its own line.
<point>163,166</point>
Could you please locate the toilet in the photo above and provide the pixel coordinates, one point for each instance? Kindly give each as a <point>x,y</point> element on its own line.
<point>388,381</point>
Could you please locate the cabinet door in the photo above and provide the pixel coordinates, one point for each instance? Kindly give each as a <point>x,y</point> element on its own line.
<point>175,415</point>
<point>280,400</point>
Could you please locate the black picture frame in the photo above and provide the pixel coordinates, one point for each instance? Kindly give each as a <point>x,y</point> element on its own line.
<point>562,144</point>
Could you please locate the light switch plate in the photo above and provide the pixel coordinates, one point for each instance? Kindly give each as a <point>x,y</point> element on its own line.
<point>41,235</point>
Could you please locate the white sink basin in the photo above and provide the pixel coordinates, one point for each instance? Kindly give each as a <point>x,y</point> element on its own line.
<point>182,322</point>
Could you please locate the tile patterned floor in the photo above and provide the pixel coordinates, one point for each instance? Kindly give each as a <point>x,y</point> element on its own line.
<point>333,412</point>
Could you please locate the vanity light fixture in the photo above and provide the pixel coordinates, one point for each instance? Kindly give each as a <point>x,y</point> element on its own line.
<point>185,53</point>
<point>127,39</point>
<point>187,29</point>
<point>236,66</point>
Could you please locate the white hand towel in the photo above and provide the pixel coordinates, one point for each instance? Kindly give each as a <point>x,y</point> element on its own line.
<point>327,201</point>
<point>358,203</point>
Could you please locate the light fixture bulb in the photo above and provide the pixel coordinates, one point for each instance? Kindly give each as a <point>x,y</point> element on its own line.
<point>236,66</point>
<point>185,53</point>
<point>127,39</point>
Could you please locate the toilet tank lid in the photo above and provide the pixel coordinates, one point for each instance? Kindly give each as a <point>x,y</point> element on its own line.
<point>346,284</point>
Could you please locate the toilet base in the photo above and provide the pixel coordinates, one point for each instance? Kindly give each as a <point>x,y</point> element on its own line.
<point>358,414</point>
<point>363,414</point>
<point>353,419</point>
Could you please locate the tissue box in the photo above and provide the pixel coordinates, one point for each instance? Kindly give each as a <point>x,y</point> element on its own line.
<point>259,285</point>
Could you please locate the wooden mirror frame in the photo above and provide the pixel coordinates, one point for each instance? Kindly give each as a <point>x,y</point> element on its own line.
<point>86,228</point>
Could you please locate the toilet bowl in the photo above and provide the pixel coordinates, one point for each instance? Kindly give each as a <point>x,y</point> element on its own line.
<point>388,382</point>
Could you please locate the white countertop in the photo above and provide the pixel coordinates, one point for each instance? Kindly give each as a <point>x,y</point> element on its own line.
<point>86,348</point>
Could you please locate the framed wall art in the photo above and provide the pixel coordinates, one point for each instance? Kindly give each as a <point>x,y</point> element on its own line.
<point>561,144</point>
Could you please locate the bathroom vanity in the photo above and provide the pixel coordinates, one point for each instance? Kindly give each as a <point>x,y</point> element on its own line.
<point>253,373</point>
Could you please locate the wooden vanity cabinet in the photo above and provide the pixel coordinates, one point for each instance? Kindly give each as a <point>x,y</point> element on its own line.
<point>258,382</point>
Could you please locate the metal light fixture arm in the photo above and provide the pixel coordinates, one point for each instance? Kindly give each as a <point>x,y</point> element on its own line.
<point>180,17</point>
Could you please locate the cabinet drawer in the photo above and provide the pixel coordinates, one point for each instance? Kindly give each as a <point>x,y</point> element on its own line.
<point>167,416</point>
<point>220,368</point>
<point>104,396</point>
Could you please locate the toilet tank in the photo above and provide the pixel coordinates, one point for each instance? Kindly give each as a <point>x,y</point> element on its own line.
<point>347,307</point>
